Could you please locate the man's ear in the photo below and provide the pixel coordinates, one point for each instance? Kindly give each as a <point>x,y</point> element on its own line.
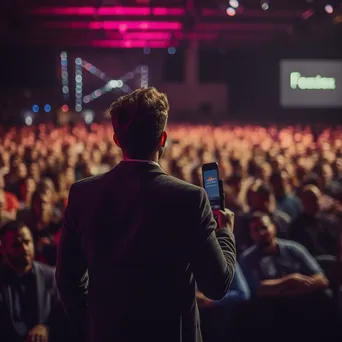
<point>115,139</point>
<point>163,139</point>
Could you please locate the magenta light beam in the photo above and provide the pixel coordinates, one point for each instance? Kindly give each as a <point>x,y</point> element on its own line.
<point>109,11</point>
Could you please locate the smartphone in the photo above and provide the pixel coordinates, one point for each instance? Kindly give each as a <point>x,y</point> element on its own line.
<point>213,185</point>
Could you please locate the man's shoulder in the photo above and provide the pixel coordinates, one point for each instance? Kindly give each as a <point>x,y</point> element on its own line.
<point>89,184</point>
<point>47,275</point>
<point>180,184</point>
<point>89,181</point>
<point>291,246</point>
<point>43,268</point>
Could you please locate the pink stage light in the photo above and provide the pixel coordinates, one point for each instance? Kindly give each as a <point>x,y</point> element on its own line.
<point>135,25</point>
<point>122,26</point>
<point>130,44</point>
<point>103,11</point>
<point>148,36</point>
<point>139,11</point>
<point>168,11</point>
<point>65,11</point>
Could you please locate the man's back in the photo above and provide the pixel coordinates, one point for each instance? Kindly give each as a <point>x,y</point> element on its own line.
<point>141,230</point>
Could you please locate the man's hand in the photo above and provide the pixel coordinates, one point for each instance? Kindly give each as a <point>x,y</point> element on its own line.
<point>38,334</point>
<point>298,284</point>
<point>225,218</point>
<point>297,279</point>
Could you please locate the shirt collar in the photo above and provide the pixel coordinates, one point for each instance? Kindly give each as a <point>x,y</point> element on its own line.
<point>141,161</point>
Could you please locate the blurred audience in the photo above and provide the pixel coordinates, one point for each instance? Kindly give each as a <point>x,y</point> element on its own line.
<point>282,183</point>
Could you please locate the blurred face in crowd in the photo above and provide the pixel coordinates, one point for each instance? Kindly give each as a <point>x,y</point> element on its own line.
<point>2,181</point>
<point>18,249</point>
<point>61,182</point>
<point>22,170</point>
<point>28,187</point>
<point>70,176</point>
<point>310,200</point>
<point>33,171</point>
<point>265,172</point>
<point>339,166</point>
<point>4,159</point>
<point>2,202</point>
<point>278,163</point>
<point>42,164</point>
<point>50,161</point>
<point>34,154</point>
<point>43,202</point>
<point>15,162</point>
<point>262,231</point>
<point>97,156</point>
<point>71,160</point>
<point>20,150</point>
<point>327,173</point>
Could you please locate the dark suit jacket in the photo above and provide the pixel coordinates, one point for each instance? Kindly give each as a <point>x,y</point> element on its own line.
<point>47,299</point>
<point>134,242</point>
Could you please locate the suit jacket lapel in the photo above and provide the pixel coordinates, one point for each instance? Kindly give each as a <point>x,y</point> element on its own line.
<point>40,293</point>
<point>8,298</point>
<point>6,291</point>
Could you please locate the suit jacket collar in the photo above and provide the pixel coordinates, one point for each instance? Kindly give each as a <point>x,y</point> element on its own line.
<point>40,291</point>
<point>139,167</point>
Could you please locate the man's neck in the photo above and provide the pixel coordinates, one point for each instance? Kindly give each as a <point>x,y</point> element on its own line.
<point>153,158</point>
<point>271,248</point>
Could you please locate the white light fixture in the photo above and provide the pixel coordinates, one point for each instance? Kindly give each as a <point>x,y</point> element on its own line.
<point>265,5</point>
<point>234,3</point>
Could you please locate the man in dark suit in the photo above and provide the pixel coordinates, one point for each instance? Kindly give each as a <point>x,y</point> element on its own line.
<point>28,291</point>
<point>136,241</point>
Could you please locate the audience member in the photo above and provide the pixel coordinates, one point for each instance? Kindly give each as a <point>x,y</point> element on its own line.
<point>288,284</point>
<point>28,293</point>
<point>285,200</point>
<point>313,228</point>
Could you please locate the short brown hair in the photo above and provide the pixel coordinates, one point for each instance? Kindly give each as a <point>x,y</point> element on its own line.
<point>13,226</point>
<point>139,120</point>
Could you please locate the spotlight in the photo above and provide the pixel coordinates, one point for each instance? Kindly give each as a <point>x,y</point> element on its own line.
<point>329,9</point>
<point>171,50</point>
<point>28,120</point>
<point>47,108</point>
<point>231,11</point>
<point>234,3</point>
<point>88,116</point>
<point>147,50</point>
<point>65,108</point>
<point>265,5</point>
<point>35,108</point>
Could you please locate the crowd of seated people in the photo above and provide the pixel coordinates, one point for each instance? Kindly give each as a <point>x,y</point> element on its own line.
<point>284,186</point>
